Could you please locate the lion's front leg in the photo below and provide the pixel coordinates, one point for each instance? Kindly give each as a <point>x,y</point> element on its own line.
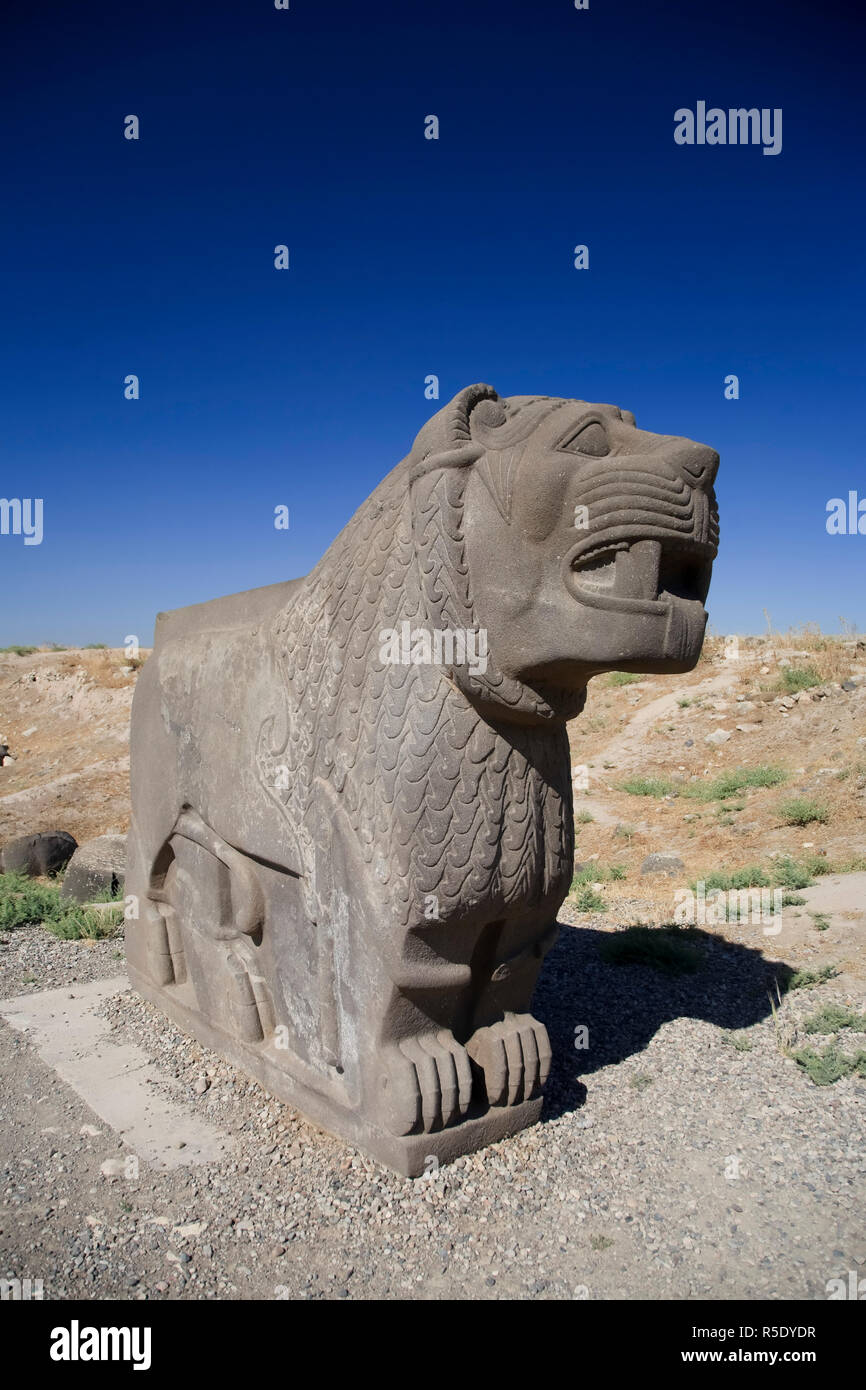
<point>509,1048</point>
<point>425,1080</point>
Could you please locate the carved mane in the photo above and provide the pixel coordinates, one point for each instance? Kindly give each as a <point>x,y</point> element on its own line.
<point>455,805</point>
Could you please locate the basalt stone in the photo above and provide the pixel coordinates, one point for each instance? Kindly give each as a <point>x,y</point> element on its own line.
<point>97,866</point>
<point>669,864</point>
<point>45,853</point>
<point>352,806</point>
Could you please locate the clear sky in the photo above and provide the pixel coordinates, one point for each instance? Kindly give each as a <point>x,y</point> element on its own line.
<point>408,256</point>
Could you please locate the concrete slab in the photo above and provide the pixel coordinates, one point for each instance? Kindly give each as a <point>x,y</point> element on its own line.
<point>842,895</point>
<point>115,1079</point>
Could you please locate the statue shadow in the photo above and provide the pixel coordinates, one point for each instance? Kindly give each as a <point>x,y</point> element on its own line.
<point>623,1006</point>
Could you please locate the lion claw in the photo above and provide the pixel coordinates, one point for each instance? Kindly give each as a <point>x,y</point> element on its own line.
<point>428,1083</point>
<point>513,1057</point>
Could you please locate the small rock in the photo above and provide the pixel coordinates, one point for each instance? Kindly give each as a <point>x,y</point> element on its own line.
<point>718,736</point>
<point>113,1167</point>
<point>669,864</point>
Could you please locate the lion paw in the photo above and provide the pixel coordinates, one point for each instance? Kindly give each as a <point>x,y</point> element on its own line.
<point>428,1083</point>
<point>514,1057</point>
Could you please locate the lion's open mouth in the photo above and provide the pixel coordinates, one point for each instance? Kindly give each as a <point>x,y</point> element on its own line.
<point>640,575</point>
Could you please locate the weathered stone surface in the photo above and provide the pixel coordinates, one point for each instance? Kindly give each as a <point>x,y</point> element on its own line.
<point>352,815</point>
<point>669,864</point>
<point>97,866</point>
<point>718,736</point>
<point>44,853</point>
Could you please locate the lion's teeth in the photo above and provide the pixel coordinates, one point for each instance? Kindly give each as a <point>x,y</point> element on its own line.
<point>637,570</point>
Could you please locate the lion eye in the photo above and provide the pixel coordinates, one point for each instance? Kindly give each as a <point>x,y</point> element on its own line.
<point>589,440</point>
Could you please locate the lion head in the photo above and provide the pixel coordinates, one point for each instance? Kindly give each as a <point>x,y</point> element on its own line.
<point>589,543</point>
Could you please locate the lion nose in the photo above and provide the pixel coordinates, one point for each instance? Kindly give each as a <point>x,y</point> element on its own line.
<point>700,464</point>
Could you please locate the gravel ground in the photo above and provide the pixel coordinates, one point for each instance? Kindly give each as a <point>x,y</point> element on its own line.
<point>32,959</point>
<point>671,1162</point>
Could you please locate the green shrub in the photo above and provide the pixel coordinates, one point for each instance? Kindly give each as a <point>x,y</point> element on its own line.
<point>832,1018</point>
<point>807,979</point>
<point>588,900</point>
<point>622,678</point>
<point>735,780</point>
<point>752,877</point>
<point>25,902</point>
<point>795,678</point>
<point>800,810</point>
<point>80,922</point>
<point>647,786</point>
<point>827,1067</point>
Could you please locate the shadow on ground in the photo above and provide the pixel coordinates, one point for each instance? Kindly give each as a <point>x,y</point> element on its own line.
<point>623,1006</point>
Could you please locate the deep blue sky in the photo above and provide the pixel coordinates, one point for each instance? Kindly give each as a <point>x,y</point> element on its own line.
<point>410,257</point>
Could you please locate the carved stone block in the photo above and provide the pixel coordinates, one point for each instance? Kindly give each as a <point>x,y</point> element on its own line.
<point>352,805</point>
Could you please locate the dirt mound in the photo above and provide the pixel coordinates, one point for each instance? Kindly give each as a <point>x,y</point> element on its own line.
<point>65,719</point>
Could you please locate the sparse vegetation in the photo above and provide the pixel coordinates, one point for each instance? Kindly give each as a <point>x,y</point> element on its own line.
<point>671,950</point>
<point>615,678</point>
<point>588,900</point>
<point>801,810</point>
<point>807,979</point>
<point>796,678</point>
<point>647,786</point>
<point>597,873</point>
<point>785,873</point>
<point>827,1067</point>
<point>832,1018</point>
<point>17,651</point>
<point>735,780</point>
<point>640,1081</point>
<point>25,902</point>
<point>820,921</point>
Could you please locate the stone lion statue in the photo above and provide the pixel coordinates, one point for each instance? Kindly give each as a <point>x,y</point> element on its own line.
<point>352,810</point>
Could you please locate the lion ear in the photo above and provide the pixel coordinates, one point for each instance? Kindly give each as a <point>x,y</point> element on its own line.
<point>446,439</point>
<point>465,402</point>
